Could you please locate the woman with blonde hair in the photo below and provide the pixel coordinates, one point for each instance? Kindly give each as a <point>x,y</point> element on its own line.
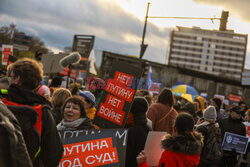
<point>57,100</point>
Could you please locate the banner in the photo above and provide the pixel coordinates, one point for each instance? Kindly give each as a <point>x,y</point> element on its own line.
<point>6,51</point>
<point>233,141</point>
<point>111,143</point>
<point>234,98</point>
<point>117,96</point>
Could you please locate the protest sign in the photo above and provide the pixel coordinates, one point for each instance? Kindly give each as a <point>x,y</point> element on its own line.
<point>247,125</point>
<point>120,136</point>
<point>233,141</point>
<point>153,147</point>
<point>6,51</point>
<point>221,97</point>
<point>234,98</point>
<point>154,87</point>
<point>117,96</point>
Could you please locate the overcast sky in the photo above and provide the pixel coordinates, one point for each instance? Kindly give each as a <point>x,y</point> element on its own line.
<point>118,24</point>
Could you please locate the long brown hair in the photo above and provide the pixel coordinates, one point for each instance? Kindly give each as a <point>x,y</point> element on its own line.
<point>166,97</point>
<point>59,96</point>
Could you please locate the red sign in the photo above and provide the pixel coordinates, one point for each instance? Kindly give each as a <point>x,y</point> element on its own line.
<point>6,51</point>
<point>73,73</point>
<point>117,96</point>
<point>234,98</point>
<point>89,153</point>
<point>120,90</point>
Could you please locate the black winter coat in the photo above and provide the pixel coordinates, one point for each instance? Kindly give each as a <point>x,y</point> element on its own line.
<point>13,150</point>
<point>233,126</point>
<point>137,136</point>
<point>51,145</point>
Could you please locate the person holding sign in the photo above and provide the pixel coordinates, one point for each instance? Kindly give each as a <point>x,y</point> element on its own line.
<point>233,124</point>
<point>74,115</point>
<point>162,114</point>
<point>182,149</point>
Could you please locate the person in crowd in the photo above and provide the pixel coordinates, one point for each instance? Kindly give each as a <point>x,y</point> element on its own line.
<point>4,83</point>
<point>56,82</point>
<point>182,148</point>
<point>246,157</point>
<point>177,105</point>
<point>96,86</point>
<point>89,100</point>
<point>216,102</point>
<point>44,91</point>
<point>13,152</point>
<point>25,76</point>
<point>209,129</point>
<point>57,100</point>
<point>162,114</point>
<point>137,131</point>
<point>233,124</point>
<point>74,88</point>
<point>190,108</point>
<point>74,115</point>
<point>243,106</point>
<point>199,103</point>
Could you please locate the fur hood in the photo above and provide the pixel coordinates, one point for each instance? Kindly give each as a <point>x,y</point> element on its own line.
<point>181,144</point>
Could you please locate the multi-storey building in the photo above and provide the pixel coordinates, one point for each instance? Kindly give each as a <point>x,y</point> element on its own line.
<point>220,53</point>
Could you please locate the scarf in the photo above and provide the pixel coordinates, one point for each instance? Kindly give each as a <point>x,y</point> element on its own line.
<point>70,125</point>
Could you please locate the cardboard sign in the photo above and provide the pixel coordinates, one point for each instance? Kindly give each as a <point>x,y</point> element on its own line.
<point>6,51</point>
<point>117,96</point>
<point>153,147</point>
<point>96,149</point>
<point>234,98</point>
<point>233,141</point>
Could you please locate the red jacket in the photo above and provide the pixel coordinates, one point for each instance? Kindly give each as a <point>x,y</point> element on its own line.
<point>180,151</point>
<point>172,159</point>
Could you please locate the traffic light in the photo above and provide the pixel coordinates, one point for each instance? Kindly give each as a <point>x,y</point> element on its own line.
<point>145,68</point>
<point>223,20</point>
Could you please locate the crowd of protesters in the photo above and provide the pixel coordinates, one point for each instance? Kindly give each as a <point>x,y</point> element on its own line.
<point>190,127</point>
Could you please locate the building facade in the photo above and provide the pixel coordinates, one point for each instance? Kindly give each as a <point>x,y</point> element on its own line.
<point>220,53</point>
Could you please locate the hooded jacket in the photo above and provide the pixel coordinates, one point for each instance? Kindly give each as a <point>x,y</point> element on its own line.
<point>180,151</point>
<point>51,145</point>
<point>137,136</point>
<point>200,106</point>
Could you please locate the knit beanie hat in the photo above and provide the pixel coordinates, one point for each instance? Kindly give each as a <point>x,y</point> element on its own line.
<point>189,107</point>
<point>210,113</point>
<point>184,122</point>
<point>139,105</point>
<point>88,95</point>
<point>217,102</point>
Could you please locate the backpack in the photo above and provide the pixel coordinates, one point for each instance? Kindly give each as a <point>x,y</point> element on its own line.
<point>212,150</point>
<point>29,118</point>
<point>8,142</point>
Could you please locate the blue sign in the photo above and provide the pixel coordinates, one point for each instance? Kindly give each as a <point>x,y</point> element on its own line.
<point>233,141</point>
